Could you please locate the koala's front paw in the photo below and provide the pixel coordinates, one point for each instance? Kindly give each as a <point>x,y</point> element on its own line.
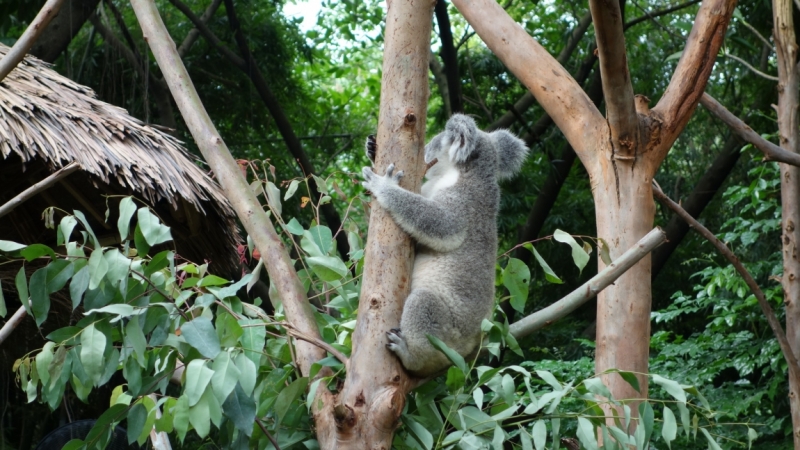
<point>378,184</point>
<point>372,147</point>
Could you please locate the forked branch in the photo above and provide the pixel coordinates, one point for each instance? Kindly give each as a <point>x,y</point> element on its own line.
<point>621,112</point>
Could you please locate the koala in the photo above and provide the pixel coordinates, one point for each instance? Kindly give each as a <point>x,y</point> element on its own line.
<point>453,221</point>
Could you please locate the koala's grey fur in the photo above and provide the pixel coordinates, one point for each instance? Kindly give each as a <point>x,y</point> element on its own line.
<point>453,221</point>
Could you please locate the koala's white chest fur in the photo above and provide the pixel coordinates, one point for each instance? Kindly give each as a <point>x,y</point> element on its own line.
<point>443,178</point>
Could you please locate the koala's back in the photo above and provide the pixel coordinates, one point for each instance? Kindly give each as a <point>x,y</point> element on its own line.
<point>464,277</point>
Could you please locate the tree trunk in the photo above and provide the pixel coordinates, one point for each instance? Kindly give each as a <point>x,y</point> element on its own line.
<point>625,210</point>
<point>374,392</point>
<point>786,46</point>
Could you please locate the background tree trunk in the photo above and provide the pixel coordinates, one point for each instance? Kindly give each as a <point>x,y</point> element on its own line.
<point>621,155</point>
<point>63,28</point>
<point>786,46</point>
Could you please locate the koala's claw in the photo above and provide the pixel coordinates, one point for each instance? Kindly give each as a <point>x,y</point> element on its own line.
<point>396,340</point>
<point>372,147</point>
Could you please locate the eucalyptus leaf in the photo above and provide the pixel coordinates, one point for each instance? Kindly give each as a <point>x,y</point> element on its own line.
<point>241,409</point>
<point>126,209</point>
<point>153,231</point>
<point>516,278</point>
<point>579,255</point>
<point>548,272</point>
<point>93,345</point>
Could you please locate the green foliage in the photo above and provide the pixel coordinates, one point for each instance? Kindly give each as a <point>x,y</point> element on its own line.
<point>734,350</point>
<point>146,317</point>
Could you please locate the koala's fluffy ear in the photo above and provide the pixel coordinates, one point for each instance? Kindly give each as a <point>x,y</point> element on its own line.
<point>461,133</point>
<point>511,152</point>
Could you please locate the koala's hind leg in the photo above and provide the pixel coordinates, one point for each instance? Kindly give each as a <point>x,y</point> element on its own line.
<point>424,313</point>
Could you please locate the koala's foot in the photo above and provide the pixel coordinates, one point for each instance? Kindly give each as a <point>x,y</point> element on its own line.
<point>372,147</point>
<point>397,343</point>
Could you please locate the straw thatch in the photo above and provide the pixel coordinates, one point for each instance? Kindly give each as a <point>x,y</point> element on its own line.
<point>49,118</point>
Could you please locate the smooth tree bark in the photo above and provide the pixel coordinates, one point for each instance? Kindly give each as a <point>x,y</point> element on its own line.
<point>788,102</point>
<point>375,388</point>
<point>365,412</point>
<point>621,154</point>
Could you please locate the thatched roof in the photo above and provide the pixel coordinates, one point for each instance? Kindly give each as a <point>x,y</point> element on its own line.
<point>47,117</point>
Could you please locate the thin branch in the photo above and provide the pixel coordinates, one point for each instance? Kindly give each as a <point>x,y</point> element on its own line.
<point>38,187</point>
<point>294,332</point>
<point>28,38</point>
<point>766,41</point>
<point>12,323</point>
<point>658,24</point>
<point>752,69</point>
<point>479,99</point>
<point>266,433</point>
<point>194,33</point>
<point>774,324</point>
<point>689,80</point>
<point>252,215</point>
<point>123,27</point>
<point>703,192</point>
<point>661,12</point>
<point>209,35</point>
<point>590,289</point>
<point>771,151</point>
